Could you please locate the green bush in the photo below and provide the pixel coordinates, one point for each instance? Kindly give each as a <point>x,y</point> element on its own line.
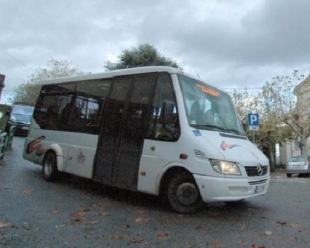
<point>3,117</point>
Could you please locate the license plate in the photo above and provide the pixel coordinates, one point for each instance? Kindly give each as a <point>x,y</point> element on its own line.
<point>259,188</point>
<point>25,128</point>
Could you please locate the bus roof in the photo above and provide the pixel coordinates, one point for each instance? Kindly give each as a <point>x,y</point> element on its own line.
<point>114,73</point>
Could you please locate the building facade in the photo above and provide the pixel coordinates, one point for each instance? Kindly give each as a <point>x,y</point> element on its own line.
<point>295,147</point>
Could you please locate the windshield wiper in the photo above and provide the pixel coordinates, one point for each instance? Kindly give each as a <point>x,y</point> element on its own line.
<point>232,131</point>
<point>208,126</point>
<point>227,130</point>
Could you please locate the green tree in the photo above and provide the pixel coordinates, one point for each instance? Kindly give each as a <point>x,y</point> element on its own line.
<point>143,55</point>
<point>28,92</point>
<point>276,105</point>
<point>245,102</point>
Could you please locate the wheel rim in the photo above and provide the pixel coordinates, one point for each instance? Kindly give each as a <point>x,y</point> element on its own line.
<point>47,168</point>
<point>187,193</point>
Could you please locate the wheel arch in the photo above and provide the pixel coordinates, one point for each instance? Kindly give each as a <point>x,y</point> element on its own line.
<point>168,174</point>
<point>56,149</point>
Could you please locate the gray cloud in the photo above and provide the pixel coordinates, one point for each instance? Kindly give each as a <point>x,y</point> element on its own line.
<point>228,43</point>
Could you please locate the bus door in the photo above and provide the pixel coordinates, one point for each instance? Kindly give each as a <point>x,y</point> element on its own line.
<point>126,117</point>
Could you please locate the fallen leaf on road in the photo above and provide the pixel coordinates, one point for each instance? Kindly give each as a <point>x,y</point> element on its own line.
<point>56,211</point>
<point>101,205</point>
<point>94,222</point>
<point>177,222</point>
<point>216,242</point>
<point>125,227</point>
<point>104,213</point>
<point>268,232</point>
<point>4,224</point>
<point>281,222</point>
<point>115,237</point>
<point>141,220</point>
<point>298,226</point>
<point>80,214</point>
<point>291,239</point>
<point>27,191</point>
<point>140,211</point>
<point>137,241</point>
<point>162,236</point>
<point>77,221</point>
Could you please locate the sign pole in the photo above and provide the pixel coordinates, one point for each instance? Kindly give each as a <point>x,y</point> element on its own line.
<point>253,136</point>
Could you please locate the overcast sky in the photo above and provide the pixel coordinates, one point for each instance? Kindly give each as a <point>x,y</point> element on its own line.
<point>227,43</point>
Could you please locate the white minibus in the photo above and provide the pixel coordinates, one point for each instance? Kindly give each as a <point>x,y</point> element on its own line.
<point>153,129</point>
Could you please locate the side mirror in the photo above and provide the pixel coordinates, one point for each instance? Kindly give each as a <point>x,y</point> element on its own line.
<point>167,112</point>
<point>167,117</point>
<point>13,120</point>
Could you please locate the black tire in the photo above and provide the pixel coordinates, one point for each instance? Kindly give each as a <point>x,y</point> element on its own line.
<point>288,174</point>
<point>49,167</point>
<point>183,194</point>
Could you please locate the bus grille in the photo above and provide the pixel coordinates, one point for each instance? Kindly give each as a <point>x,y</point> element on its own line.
<point>258,182</point>
<point>254,171</point>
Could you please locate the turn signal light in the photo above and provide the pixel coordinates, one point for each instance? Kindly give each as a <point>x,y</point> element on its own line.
<point>183,156</point>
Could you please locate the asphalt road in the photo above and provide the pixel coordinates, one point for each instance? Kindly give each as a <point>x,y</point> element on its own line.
<point>78,213</point>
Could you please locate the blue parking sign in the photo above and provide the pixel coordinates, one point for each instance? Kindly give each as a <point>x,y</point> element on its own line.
<point>253,121</point>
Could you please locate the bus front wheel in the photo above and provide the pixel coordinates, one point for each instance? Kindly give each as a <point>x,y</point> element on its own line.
<point>49,168</point>
<point>183,194</point>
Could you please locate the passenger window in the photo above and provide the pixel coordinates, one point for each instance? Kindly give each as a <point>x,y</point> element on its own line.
<point>164,92</point>
<point>72,107</point>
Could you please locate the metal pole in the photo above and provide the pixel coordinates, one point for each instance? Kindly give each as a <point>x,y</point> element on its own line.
<point>253,137</point>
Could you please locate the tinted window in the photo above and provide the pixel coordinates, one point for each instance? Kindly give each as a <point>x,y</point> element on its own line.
<point>164,92</point>
<point>72,107</point>
<point>208,107</point>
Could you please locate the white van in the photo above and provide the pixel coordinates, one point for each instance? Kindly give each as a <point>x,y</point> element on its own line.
<point>151,129</point>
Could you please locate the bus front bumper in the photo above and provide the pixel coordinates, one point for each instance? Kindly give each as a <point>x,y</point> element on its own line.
<point>214,189</point>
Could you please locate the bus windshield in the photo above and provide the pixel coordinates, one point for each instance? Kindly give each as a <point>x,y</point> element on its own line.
<point>208,108</point>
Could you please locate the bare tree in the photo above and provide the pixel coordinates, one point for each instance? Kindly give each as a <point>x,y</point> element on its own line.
<point>28,92</point>
<point>276,105</point>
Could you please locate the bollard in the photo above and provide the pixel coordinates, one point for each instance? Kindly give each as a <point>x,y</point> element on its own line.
<point>3,143</point>
<point>10,137</point>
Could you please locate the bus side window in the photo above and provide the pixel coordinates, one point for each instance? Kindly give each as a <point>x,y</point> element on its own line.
<point>52,117</point>
<point>164,92</point>
<point>70,115</point>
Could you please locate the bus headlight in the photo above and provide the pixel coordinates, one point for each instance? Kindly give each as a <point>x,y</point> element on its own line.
<point>225,167</point>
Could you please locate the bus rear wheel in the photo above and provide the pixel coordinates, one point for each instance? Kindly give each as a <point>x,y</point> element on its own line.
<point>183,194</point>
<point>49,168</point>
